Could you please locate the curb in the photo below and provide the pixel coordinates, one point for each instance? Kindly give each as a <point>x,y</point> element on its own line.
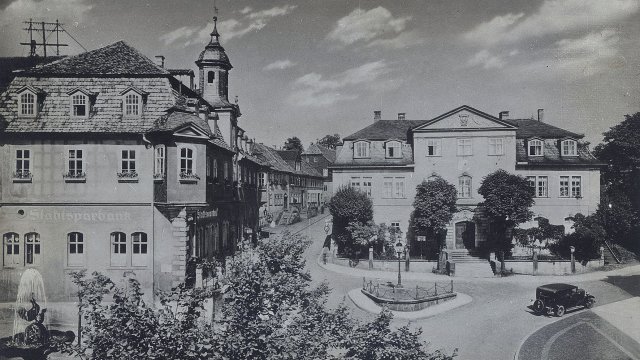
<point>368,305</point>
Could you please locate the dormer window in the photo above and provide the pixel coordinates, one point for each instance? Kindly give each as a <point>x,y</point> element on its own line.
<point>132,102</point>
<point>569,147</point>
<point>27,103</point>
<point>361,149</point>
<point>393,149</point>
<point>535,147</point>
<point>79,104</point>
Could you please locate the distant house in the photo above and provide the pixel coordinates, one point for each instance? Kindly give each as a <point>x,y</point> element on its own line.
<point>389,158</point>
<point>320,158</point>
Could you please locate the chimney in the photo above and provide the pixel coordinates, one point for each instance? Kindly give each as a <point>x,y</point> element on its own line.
<point>160,60</point>
<point>402,116</point>
<point>540,114</point>
<point>203,112</point>
<point>504,115</point>
<point>377,115</point>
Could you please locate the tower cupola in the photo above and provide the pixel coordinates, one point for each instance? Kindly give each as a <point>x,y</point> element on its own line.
<point>214,66</point>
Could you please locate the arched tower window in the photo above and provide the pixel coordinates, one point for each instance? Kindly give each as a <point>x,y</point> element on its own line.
<point>211,76</point>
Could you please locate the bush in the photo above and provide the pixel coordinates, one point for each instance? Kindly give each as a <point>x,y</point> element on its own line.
<point>587,239</point>
<point>349,205</point>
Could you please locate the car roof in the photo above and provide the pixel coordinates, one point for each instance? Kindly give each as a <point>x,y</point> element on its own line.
<point>556,287</point>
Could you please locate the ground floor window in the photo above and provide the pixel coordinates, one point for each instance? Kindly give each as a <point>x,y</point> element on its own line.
<point>140,248</point>
<point>11,247</point>
<point>32,249</point>
<point>75,249</point>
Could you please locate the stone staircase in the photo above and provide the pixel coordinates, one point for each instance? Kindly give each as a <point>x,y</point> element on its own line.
<point>470,264</point>
<point>611,254</point>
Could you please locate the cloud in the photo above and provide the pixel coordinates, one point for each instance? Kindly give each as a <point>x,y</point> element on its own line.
<point>404,40</point>
<point>229,28</point>
<point>65,10</point>
<point>592,54</point>
<point>486,60</point>
<point>280,65</point>
<point>553,17</point>
<point>314,90</point>
<point>368,26</point>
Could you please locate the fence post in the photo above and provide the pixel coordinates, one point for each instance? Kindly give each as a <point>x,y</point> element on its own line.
<point>452,286</point>
<point>416,292</point>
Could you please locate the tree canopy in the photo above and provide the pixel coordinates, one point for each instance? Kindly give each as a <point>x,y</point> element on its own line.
<point>433,206</point>
<point>330,141</point>
<point>293,143</point>
<point>349,205</point>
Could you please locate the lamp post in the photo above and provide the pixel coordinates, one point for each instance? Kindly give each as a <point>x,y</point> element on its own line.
<point>573,259</point>
<point>399,247</point>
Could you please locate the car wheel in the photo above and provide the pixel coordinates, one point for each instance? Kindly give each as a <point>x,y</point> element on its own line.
<point>589,303</point>
<point>560,311</point>
<point>538,306</point>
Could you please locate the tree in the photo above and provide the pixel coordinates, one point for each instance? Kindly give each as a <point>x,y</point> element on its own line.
<point>507,202</point>
<point>293,143</point>
<point>433,208</point>
<point>349,205</point>
<point>330,141</point>
<point>586,239</point>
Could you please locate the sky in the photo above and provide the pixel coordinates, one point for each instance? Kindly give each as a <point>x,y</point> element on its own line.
<point>309,68</point>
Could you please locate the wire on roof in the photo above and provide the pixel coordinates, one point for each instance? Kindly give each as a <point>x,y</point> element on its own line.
<point>74,39</point>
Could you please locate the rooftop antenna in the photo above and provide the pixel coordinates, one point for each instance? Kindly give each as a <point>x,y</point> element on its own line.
<point>45,27</point>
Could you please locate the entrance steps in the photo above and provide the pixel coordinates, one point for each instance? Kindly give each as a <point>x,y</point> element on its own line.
<point>465,256</point>
<point>470,264</point>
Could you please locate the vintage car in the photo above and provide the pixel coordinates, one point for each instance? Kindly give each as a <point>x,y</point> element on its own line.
<point>558,298</point>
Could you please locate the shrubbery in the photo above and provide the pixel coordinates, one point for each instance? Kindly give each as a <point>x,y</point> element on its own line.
<point>349,205</point>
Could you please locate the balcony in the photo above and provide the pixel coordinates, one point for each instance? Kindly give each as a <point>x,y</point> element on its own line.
<point>130,176</point>
<point>22,176</point>
<point>75,176</point>
<point>188,178</point>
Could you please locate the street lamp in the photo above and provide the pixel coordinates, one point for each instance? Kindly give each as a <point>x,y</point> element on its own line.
<point>399,247</point>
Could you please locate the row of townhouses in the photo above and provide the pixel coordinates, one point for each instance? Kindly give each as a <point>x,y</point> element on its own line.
<point>389,158</point>
<point>110,163</point>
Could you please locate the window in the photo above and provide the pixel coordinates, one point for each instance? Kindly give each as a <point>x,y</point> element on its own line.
<point>398,188</point>
<point>464,147</point>
<point>540,184</point>
<point>225,167</point>
<point>394,149</point>
<point>262,179</point>
<point>361,149</point>
<point>32,249</point>
<point>159,161</point>
<point>79,105</point>
<point>186,161</point>
<point>140,249</point>
<point>118,249</point>
<point>367,185</point>
<point>128,162</point>
<point>496,146</point>
<point>576,186</point>
<point>564,186</point>
<point>76,164</point>
<point>132,104</point>
<point>27,103</point>
<point>11,246</point>
<point>464,187</point>
<point>388,187</point>
<point>433,147</point>
<point>355,182</point>
<point>23,163</point>
<point>208,171</point>
<point>535,147</point>
<point>75,249</point>
<point>211,75</point>
<point>215,168</point>
<point>569,148</point>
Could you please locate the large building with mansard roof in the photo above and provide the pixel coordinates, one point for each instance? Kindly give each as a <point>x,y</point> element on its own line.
<point>389,158</point>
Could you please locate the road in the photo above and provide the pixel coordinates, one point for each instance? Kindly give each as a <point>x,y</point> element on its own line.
<point>493,325</point>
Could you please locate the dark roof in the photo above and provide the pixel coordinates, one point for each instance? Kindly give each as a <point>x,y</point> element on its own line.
<point>377,157</point>
<point>528,128</point>
<point>10,64</point>
<point>556,287</point>
<point>180,72</point>
<point>178,119</point>
<point>316,149</point>
<point>552,156</point>
<point>271,157</point>
<point>386,129</point>
<point>288,155</point>
<point>112,60</point>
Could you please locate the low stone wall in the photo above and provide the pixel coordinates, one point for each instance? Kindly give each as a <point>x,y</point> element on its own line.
<point>423,266</point>
<point>550,267</point>
<point>410,305</point>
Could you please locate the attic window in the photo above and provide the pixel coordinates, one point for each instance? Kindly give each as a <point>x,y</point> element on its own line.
<point>393,149</point>
<point>569,148</point>
<point>27,103</point>
<point>132,104</point>
<point>79,105</point>
<point>361,150</point>
<point>535,147</point>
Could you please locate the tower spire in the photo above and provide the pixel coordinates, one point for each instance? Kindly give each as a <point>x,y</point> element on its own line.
<point>215,36</point>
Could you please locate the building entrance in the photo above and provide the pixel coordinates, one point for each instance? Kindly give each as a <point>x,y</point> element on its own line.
<point>465,235</point>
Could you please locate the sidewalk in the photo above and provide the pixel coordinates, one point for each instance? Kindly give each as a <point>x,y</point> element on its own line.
<point>425,276</point>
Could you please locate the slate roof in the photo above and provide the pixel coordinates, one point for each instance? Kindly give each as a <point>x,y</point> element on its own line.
<point>552,156</point>
<point>316,149</point>
<point>528,128</point>
<point>288,155</point>
<point>386,129</point>
<point>377,157</point>
<point>118,59</point>
<point>271,157</point>
<point>177,119</point>
<point>10,64</point>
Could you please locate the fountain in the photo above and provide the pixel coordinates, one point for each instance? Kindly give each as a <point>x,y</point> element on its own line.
<point>31,339</point>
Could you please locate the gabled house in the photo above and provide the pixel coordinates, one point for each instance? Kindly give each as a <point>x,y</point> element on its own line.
<point>320,158</point>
